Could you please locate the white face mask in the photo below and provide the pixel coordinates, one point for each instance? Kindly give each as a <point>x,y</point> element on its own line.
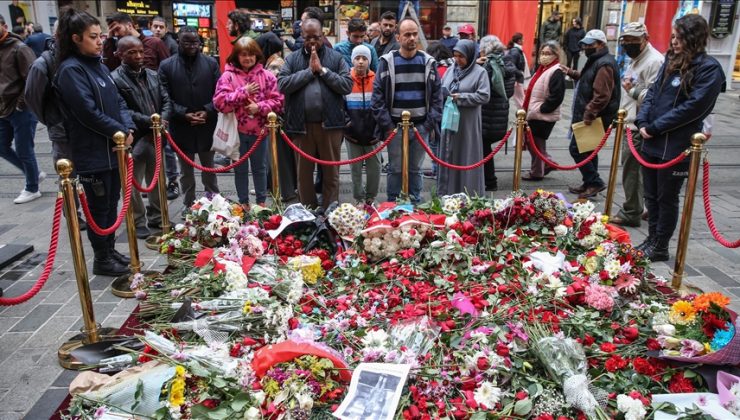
<point>546,59</point>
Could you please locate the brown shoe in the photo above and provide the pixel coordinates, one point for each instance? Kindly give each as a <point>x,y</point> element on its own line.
<point>644,215</point>
<point>619,220</point>
<point>577,190</point>
<point>592,191</point>
<point>529,177</point>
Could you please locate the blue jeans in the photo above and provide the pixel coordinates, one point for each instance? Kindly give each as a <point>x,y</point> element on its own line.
<point>258,159</point>
<point>170,162</point>
<point>416,159</point>
<point>589,171</point>
<point>21,127</point>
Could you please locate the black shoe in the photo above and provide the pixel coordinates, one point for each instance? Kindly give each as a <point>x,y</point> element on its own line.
<point>591,191</point>
<point>173,190</point>
<point>120,257</point>
<point>82,223</point>
<point>109,267</point>
<point>142,232</point>
<point>646,243</point>
<point>1,291</point>
<point>657,250</point>
<point>384,168</point>
<point>577,190</point>
<point>492,187</point>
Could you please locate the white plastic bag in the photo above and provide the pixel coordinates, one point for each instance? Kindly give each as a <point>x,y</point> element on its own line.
<point>226,135</point>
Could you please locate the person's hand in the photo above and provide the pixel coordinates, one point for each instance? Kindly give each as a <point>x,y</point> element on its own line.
<point>587,122</point>
<point>253,108</point>
<point>201,115</point>
<point>314,63</point>
<point>112,29</point>
<point>194,119</point>
<point>129,139</point>
<point>627,84</point>
<point>253,88</point>
<point>454,96</point>
<point>644,133</point>
<point>481,60</point>
<point>565,69</point>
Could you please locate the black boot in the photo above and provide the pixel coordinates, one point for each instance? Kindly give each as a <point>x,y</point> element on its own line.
<point>646,243</point>
<point>115,254</point>
<point>105,265</point>
<point>658,250</point>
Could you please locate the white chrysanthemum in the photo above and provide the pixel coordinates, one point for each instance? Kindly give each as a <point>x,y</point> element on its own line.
<point>376,340</point>
<point>632,408</point>
<point>561,230</point>
<point>487,394</point>
<point>613,268</point>
<point>235,277</point>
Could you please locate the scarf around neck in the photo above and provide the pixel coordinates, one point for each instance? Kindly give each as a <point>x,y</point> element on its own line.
<point>465,47</point>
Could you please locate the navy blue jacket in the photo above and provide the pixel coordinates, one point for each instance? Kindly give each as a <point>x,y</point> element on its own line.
<point>673,112</point>
<point>37,42</point>
<point>95,112</point>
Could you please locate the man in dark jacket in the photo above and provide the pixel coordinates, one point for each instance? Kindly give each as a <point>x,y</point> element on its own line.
<point>552,29</point>
<point>144,96</point>
<point>597,95</point>
<point>159,30</point>
<point>120,25</point>
<point>37,40</point>
<point>448,40</point>
<point>386,42</point>
<point>190,81</point>
<point>17,124</point>
<point>314,81</point>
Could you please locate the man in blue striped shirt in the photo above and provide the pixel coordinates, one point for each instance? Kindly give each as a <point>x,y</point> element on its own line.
<point>407,80</point>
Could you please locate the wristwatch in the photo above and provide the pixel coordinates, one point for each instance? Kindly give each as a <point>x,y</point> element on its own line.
<point>324,70</point>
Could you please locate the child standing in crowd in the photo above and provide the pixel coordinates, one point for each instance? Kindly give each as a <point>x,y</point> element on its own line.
<point>361,128</point>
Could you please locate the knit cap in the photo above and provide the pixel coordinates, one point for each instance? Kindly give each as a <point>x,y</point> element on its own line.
<point>361,50</point>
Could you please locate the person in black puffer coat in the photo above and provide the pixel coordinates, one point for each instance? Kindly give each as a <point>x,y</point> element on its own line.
<point>503,74</point>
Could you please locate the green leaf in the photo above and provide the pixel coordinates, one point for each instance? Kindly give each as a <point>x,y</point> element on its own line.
<point>240,401</point>
<point>480,415</point>
<point>139,390</point>
<point>222,412</point>
<point>688,374</point>
<point>535,390</point>
<point>523,407</point>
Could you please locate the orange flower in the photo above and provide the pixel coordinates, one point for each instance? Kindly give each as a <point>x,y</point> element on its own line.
<point>702,302</point>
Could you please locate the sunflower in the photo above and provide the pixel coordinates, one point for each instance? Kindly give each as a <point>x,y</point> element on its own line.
<point>702,302</point>
<point>682,312</point>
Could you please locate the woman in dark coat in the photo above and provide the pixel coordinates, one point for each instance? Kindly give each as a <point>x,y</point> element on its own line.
<point>572,43</point>
<point>682,96</point>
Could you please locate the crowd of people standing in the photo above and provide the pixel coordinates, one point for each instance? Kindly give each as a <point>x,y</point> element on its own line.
<point>86,89</point>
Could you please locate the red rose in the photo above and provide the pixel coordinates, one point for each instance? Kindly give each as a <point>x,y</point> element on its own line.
<point>236,350</point>
<point>293,323</point>
<point>414,412</point>
<point>521,395</point>
<point>588,340</point>
<point>608,347</point>
<point>545,416</point>
<point>680,384</point>
<point>211,403</point>
<point>643,366</point>
<point>483,363</point>
<point>630,333</point>
<point>614,363</point>
<point>502,349</point>
<point>653,344</point>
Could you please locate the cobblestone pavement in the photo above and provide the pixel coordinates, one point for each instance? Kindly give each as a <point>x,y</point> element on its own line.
<point>31,382</point>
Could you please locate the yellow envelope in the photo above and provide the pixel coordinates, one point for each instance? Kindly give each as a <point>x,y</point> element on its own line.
<point>588,136</point>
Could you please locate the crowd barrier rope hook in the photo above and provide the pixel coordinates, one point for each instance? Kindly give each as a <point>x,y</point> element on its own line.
<point>494,151</point>
<point>621,115</point>
<point>665,165</point>
<point>91,331</point>
<point>223,169</point>
<point>273,126</point>
<point>521,115</point>
<point>697,142</point>
<point>120,286</point>
<point>405,125</point>
<point>164,205</point>
<point>708,211</point>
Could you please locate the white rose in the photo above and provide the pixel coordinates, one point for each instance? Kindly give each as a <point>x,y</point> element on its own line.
<point>253,414</point>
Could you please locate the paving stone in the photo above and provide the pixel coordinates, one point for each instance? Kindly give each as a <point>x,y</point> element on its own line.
<point>719,276</point>
<point>36,318</point>
<point>49,335</point>
<point>62,294</point>
<point>9,344</point>
<point>46,406</point>
<point>26,307</point>
<point>65,378</point>
<point>101,312</point>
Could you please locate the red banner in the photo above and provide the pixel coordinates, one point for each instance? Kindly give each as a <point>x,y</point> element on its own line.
<point>224,40</point>
<point>505,19</point>
<point>659,20</point>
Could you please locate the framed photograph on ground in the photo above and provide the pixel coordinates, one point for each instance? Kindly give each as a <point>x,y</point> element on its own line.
<point>374,392</point>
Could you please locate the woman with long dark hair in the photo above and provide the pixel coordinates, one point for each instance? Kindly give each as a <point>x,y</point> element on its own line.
<point>515,52</point>
<point>95,112</point>
<point>684,93</point>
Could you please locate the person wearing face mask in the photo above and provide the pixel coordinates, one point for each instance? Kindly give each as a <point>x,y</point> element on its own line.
<point>637,79</point>
<point>597,95</point>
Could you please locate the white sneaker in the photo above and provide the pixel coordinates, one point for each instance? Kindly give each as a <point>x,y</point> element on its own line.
<point>27,196</point>
<point>42,176</point>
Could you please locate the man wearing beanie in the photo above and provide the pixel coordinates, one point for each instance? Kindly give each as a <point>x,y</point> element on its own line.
<point>356,30</point>
<point>360,132</point>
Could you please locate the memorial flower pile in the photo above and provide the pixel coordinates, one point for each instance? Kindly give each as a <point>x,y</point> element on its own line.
<point>525,307</point>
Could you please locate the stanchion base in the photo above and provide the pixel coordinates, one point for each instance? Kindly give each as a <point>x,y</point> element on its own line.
<point>689,289</point>
<point>152,242</point>
<point>121,285</point>
<point>67,361</point>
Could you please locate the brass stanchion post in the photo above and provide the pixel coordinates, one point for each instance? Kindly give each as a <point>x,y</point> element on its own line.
<point>621,114</point>
<point>272,125</point>
<point>405,125</point>
<point>697,143</point>
<point>91,331</point>
<point>163,203</point>
<point>121,285</point>
<point>521,115</point>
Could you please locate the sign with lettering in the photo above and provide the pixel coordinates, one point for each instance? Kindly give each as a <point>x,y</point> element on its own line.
<point>140,7</point>
<point>722,19</point>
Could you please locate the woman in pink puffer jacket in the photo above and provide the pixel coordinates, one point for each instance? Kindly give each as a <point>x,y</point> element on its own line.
<point>251,92</point>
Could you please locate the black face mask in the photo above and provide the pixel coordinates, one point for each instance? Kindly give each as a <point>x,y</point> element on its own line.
<point>632,50</point>
<point>589,51</point>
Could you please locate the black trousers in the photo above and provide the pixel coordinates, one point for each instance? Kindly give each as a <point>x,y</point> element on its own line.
<point>662,190</point>
<point>103,190</point>
<point>489,169</point>
<point>573,59</point>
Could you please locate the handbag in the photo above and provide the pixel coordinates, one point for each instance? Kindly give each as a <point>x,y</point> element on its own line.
<point>226,135</point>
<point>450,116</point>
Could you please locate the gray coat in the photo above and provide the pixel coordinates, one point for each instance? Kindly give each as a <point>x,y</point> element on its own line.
<point>464,147</point>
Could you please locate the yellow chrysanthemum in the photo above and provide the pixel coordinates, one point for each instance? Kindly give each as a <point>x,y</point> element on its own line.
<point>604,219</point>
<point>702,302</point>
<point>682,312</point>
<point>180,371</point>
<point>247,309</point>
<point>177,392</point>
<point>310,267</point>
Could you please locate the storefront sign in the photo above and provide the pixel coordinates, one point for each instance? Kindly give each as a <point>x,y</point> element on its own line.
<point>722,19</point>
<point>139,7</point>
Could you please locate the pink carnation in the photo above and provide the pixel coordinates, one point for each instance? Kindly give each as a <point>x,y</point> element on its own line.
<point>600,297</point>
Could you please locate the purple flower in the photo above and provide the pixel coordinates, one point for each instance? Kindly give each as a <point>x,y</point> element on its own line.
<point>690,348</point>
<point>100,412</point>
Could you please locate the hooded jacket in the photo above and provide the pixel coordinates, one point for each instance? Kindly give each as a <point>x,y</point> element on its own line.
<point>345,48</point>
<point>16,58</point>
<point>232,96</point>
<point>361,126</point>
<point>672,112</point>
<point>94,110</point>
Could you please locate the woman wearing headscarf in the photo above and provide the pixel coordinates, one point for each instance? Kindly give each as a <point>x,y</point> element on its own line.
<point>468,85</point>
<point>542,102</point>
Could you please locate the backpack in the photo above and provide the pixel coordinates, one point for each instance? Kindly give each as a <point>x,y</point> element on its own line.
<point>40,94</point>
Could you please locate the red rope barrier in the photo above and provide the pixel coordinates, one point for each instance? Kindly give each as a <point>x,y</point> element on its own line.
<point>190,162</point>
<point>708,212</point>
<point>448,165</point>
<point>338,162</point>
<point>122,215</point>
<point>157,163</point>
<point>48,266</point>
<point>649,165</point>
<point>548,162</point>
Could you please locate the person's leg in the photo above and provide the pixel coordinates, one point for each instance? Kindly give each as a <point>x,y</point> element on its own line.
<point>632,183</point>
<point>416,160</point>
<point>170,163</point>
<point>589,171</point>
<point>24,130</point>
<point>569,56</point>
<point>650,190</point>
<point>306,191</point>
<point>358,190</point>
<point>95,192</point>
<point>372,169</point>
<point>241,172</point>
<point>258,161</point>
<point>489,170</point>
<point>6,143</point>
<point>393,178</point>
<point>670,182</point>
<point>209,179</point>
<point>576,57</point>
<point>187,181</point>
<point>329,148</point>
